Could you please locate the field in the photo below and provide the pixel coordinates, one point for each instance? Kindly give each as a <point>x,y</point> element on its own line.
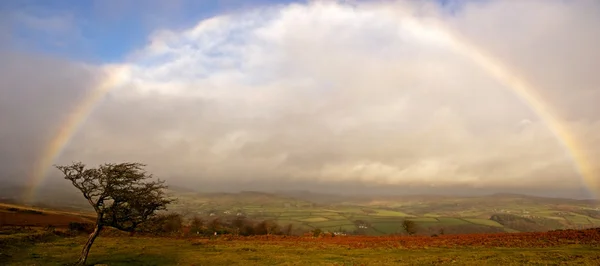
<point>564,247</point>
<point>38,236</point>
<point>381,215</point>
<point>376,215</point>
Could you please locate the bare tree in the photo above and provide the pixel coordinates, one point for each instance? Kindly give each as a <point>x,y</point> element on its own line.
<point>121,195</point>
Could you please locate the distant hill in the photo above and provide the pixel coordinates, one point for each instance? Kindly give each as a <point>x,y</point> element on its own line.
<point>378,215</point>
<point>365,214</point>
<point>17,215</point>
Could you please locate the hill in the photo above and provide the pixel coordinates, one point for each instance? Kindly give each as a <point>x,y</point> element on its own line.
<point>368,215</point>
<point>17,215</point>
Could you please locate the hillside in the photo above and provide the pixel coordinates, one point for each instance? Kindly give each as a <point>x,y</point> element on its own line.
<point>383,215</point>
<point>365,215</point>
<point>17,215</point>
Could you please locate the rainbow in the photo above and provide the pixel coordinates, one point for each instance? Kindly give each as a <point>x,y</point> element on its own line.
<point>526,92</point>
<point>115,76</point>
<point>433,31</point>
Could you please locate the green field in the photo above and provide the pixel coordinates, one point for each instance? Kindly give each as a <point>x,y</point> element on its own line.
<point>388,227</point>
<point>425,219</point>
<point>432,214</point>
<point>314,219</point>
<point>331,223</point>
<point>450,221</point>
<point>389,213</point>
<point>338,228</point>
<point>437,219</point>
<point>148,251</point>
<point>484,222</point>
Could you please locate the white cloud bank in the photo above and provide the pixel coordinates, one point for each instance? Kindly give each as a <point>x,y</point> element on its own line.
<point>343,93</point>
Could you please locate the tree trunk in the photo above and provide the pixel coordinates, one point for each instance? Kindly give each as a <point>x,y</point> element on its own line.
<point>88,245</point>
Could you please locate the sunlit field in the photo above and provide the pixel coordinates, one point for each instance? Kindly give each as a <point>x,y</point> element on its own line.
<point>560,247</point>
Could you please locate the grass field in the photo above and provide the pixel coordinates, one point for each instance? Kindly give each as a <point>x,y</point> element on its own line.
<point>388,227</point>
<point>40,247</point>
<point>281,251</point>
<point>450,221</point>
<point>453,215</point>
<point>422,209</point>
<point>483,222</point>
<point>425,219</point>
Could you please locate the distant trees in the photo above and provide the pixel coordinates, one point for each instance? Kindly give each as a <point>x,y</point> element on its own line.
<point>121,194</point>
<point>163,224</point>
<point>288,230</point>
<point>237,226</point>
<point>267,227</point>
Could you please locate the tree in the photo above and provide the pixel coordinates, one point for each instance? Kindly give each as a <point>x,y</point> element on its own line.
<point>121,194</point>
<point>317,232</point>
<point>288,229</point>
<point>410,227</point>
<point>238,224</point>
<point>215,226</point>
<point>267,227</point>
<point>196,225</point>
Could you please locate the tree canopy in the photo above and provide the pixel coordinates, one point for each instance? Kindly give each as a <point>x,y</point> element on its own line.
<point>122,195</point>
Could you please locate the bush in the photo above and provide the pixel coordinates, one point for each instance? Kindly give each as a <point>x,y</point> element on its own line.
<point>80,228</point>
<point>317,232</point>
<point>24,210</point>
<point>25,238</point>
<point>410,227</point>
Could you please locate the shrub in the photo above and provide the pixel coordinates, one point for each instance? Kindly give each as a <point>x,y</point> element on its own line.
<point>12,209</point>
<point>80,228</point>
<point>410,227</point>
<point>317,232</point>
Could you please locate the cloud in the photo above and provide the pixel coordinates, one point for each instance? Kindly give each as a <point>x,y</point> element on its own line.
<point>552,47</point>
<point>36,94</point>
<point>340,94</point>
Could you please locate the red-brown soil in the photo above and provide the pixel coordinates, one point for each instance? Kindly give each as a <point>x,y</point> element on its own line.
<point>508,240</point>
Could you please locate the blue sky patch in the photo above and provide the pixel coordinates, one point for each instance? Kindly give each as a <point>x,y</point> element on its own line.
<point>103,31</point>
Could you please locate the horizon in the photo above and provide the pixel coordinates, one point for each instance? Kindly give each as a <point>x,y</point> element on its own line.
<point>351,97</point>
<point>51,189</point>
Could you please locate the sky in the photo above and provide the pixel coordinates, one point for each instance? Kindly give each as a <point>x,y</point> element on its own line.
<point>333,96</point>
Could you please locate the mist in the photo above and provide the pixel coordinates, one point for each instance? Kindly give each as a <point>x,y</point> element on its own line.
<point>326,96</point>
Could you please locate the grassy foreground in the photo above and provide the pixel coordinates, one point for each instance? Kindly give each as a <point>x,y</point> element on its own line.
<point>169,251</point>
